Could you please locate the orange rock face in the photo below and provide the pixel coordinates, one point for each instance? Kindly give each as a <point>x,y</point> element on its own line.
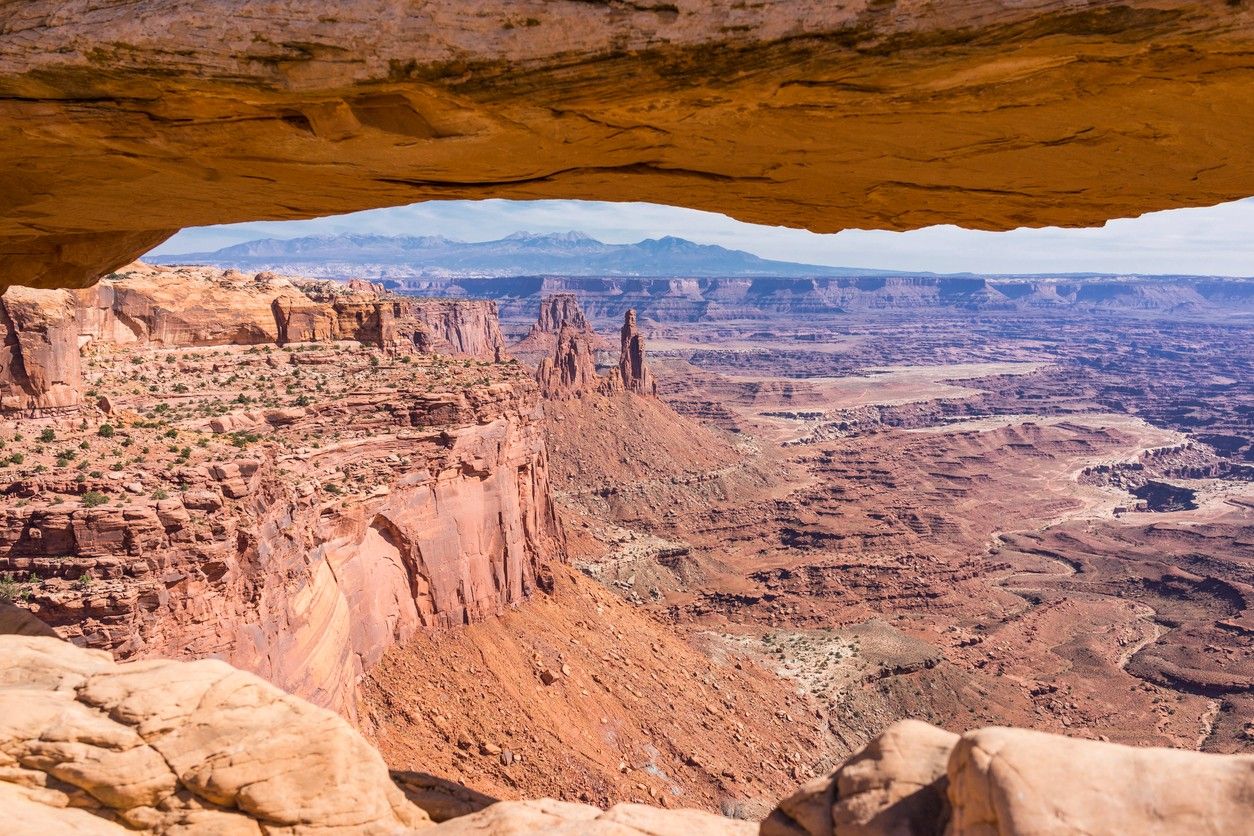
<point>43,331</point>
<point>39,363</point>
<point>265,535</point>
<point>829,116</point>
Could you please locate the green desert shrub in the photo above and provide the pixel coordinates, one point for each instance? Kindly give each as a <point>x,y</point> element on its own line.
<point>93,499</point>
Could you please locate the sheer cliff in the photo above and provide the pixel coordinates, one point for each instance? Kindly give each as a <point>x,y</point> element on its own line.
<point>292,509</point>
<point>42,332</point>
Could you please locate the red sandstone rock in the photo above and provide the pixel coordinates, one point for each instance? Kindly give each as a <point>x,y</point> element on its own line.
<point>250,568</point>
<point>557,311</point>
<point>571,371</point>
<point>42,331</point>
<point>631,363</point>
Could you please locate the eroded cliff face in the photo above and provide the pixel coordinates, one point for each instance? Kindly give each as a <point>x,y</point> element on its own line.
<point>828,116</point>
<point>43,332</point>
<point>263,562</point>
<point>557,311</point>
<point>570,369</point>
<point>201,509</point>
<point>39,361</point>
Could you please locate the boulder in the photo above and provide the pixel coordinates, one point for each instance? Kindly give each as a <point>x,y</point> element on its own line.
<point>894,785</point>
<point>561,818</point>
<point>1005,781</point>
<point>918,780</point>
<point>166,746</point>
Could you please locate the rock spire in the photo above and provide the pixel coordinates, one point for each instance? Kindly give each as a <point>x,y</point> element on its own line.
<point>570,370</point>
<point>631,361</point>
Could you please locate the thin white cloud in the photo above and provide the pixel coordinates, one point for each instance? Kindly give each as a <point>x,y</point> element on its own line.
<point>1218,240</point>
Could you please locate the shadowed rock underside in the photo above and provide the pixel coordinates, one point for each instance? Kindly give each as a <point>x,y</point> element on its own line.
<point>122,122</point>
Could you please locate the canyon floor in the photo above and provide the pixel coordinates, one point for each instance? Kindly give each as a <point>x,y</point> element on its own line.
<point>1032,519</point>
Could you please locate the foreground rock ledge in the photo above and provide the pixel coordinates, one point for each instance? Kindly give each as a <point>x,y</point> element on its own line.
<point>124,120</point>
<point>90,746</point>
<point>917,780</point>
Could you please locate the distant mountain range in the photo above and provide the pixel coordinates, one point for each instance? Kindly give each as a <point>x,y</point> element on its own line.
<point>520,254</point>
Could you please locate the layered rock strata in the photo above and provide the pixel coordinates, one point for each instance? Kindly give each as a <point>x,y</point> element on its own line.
<point>679,299</point>
<point>867,115</point>
<point>558,311</point>
<point>43,332</point>
<point>265,561</point>
<point>570,371</point>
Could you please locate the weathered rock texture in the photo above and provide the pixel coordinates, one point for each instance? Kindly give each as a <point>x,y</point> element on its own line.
<point>277,575</point>
<point>43,331</point>
<point>39,362</point>
<point>863,114</point>
<point>570,370</point>
<point>89,746</point>
<point>917,780</point>
<point>558,311</point>
<point>895,785</point>
<point>275,560</point>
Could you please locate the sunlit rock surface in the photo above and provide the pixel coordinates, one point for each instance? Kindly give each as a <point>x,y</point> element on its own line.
<point>121,122</point>
<point>91,746</point>
<point>190,747</point>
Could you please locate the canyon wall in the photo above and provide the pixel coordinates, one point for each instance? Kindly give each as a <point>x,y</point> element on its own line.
<point>39,362</point>
<point>43,331</point>
<point>261,562</point>
<point>697,299</point>
<point>301,563</point>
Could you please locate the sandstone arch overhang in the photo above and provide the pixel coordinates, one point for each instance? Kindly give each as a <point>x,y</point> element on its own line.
<point>121,122</point>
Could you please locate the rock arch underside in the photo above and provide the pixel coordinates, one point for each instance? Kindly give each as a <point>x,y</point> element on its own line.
<point>121,122</point>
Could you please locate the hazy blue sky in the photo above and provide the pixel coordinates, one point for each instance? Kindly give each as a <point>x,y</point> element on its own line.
<point>1217,240</point>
